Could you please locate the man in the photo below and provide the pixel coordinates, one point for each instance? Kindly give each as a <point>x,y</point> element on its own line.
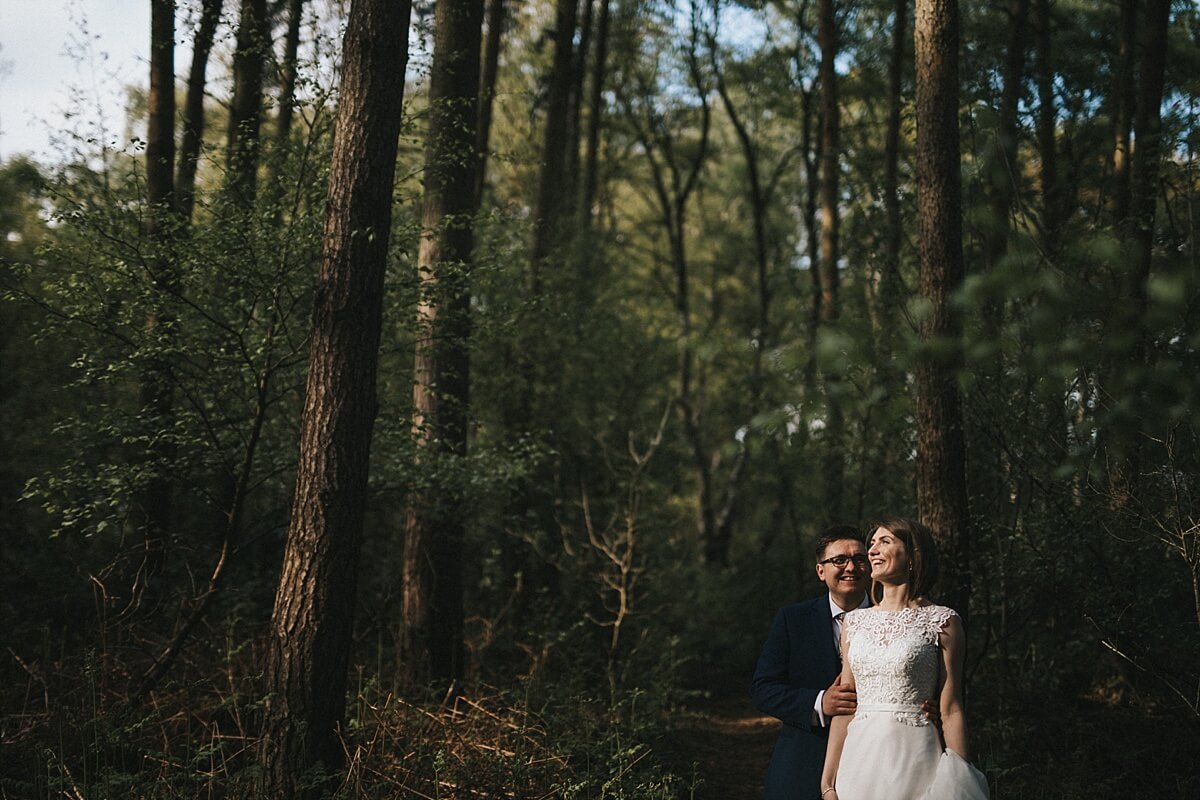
<point>796,678</point>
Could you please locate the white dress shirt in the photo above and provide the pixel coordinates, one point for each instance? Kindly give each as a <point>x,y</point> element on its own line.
<point>837,612</point>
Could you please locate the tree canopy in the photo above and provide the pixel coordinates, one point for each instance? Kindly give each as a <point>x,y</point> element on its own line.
<point>640,296</point>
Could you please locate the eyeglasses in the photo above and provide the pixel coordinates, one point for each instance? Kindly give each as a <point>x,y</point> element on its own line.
<point>841,561</point>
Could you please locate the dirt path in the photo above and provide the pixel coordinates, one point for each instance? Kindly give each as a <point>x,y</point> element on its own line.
<point>730,742</point>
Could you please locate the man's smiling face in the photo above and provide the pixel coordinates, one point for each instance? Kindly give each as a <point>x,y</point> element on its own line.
<point>846,582</point>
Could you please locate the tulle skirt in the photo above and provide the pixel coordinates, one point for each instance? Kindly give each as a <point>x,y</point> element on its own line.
<point>884,759</point>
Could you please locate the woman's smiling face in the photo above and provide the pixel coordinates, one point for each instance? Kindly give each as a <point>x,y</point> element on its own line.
<point>889,557</point>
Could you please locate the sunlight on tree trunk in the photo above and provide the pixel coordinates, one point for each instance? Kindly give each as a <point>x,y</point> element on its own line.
<point>941,446</point>
<point>432,589</point>
<point>313,618</point>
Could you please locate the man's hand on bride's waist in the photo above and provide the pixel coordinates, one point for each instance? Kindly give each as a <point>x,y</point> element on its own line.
<point>839,699</point>
<point>932,713</point>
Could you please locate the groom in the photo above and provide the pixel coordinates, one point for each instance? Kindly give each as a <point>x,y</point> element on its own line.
<point>796,676</point>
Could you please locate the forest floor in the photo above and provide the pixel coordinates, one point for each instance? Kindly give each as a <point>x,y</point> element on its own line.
<point>727,740</point>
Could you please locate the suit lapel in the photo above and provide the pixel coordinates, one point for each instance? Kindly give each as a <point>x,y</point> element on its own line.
<point>822,622</point>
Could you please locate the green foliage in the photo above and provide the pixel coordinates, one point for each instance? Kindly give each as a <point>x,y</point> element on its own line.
<point>591,617</point>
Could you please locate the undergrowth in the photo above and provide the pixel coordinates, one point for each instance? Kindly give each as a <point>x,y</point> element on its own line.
<point>92,737</point>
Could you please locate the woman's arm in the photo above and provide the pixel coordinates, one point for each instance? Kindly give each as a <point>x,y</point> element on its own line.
<point>833,755</point>
<point>837,730</point>
<point>954,721</point>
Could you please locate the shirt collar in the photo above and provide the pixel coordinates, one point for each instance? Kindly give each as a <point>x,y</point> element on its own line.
<point>835,609</point>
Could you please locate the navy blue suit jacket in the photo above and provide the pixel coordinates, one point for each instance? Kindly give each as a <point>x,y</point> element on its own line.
<point>797,662</point>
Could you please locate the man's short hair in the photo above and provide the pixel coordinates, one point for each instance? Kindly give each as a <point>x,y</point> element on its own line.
<point>837,533</point>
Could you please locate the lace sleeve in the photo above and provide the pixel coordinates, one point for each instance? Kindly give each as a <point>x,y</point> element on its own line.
<point>938,618</point>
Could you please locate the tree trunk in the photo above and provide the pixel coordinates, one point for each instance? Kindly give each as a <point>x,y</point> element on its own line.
<point>245,110</point>
<point>941,446</point>
<point>152,503</point>
<point>812,155</point>
<point>833,459</point>
<point>1112,435</point>
<point>536,364</point>
<point>160,131</point>
<point>1047,125</point>
<point>690,396</point>
<point>575,114</point>
<point>1124,101</point>
<point>992,477</point>
<point>591,158</point>
<point>1000,170</point>
<point>1121,438</point>
<point>311,625</point>
<point>888,284</point>
<point>286,112</point>
<point>552,177</point>
<point>496,15</point>
<point>757,196</point>
<point>1143,196</point>
<point>810,147</point>
<point>193,114</point>
<point>1054,402</point>
<point>1146,160</point>
<point>287,73</point>
<point>432,593</point>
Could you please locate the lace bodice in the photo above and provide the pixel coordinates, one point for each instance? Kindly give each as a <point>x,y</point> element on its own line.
<point>894,656</point>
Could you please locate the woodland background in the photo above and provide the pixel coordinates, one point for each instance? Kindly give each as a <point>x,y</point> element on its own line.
<point>654,291</point>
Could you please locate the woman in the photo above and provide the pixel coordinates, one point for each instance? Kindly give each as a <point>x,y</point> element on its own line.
<point>896,653</point>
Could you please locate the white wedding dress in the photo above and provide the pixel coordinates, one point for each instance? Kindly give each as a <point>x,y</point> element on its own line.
<point>892,752</point>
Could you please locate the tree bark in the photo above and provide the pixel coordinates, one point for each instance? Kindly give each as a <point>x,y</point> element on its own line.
<point>309,646</point>
<point>1000,171</point>
<point>575,114</point>
<point>1146,160</point>
<point>432,592</point>
<point>1054,403</point>
<point>591,159</point>
<point>289,69</point>
<point>941,445</point>
<point>888,286</point>
<point>1047,125</point>
<point>160,132</point>
<point>1112,437</point>
<point>833,459</point>
<point>1121,438</point>
<point>152,503</point>
<point>1127,450</point>
<point>193,114</point>
<point>812,181</point>
<point>245,110</point>
<point>496,16</point>
<point>276,189</point>
<point>1124,100</point>
<point>551,179</point>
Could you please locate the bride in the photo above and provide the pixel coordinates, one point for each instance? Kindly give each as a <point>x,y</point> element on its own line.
<point>896,653</point>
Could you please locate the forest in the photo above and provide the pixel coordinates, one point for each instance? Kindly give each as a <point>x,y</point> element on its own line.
<point>438,399</point>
